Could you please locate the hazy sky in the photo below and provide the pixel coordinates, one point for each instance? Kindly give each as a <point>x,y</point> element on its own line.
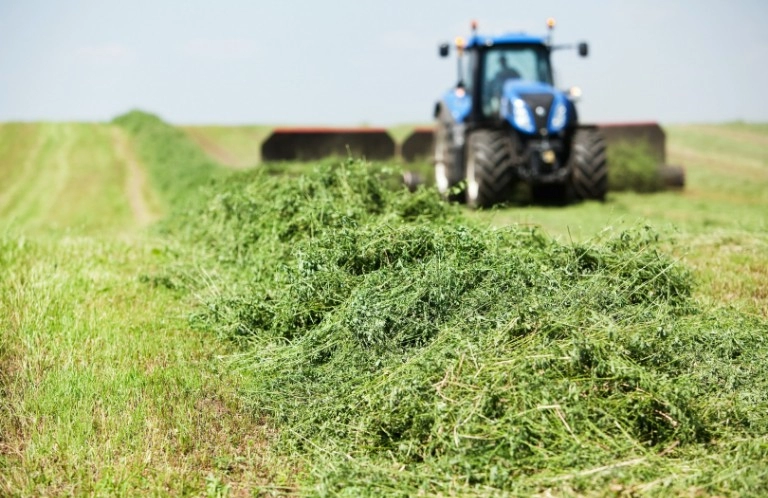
<point>359,61</point>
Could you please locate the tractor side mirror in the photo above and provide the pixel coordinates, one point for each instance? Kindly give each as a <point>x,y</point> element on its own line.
<point>583,49</point>
<point>444,50</point>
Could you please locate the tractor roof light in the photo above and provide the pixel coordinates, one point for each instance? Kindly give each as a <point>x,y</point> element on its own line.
<point>460,44</point>
<point>550,27</point>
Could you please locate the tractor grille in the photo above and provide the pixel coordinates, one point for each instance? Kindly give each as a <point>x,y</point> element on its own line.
<point>543,100</point>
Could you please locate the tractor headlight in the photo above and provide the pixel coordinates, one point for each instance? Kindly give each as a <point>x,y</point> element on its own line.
<point>522,116</point>
<point>558,117</point>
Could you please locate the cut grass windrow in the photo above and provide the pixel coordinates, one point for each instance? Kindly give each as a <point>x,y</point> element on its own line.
<point>403,349</point>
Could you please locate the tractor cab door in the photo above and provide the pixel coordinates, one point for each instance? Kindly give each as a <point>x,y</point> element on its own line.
<point>467,71</point>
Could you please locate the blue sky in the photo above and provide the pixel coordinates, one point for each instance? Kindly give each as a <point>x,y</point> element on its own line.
<point>350,62</point>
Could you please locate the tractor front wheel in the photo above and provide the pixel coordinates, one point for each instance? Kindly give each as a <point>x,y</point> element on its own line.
<point>491,163</point>
<point>589,169</point>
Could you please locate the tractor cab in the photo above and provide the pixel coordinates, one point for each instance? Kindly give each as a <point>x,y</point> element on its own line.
<point>493,62</point>
<point>509,77</point>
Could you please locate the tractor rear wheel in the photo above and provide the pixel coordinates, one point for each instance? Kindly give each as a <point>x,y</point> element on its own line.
<point>446,176</point>
<point>492,158</point>
<point>589,169</point>
<point>449,155</point>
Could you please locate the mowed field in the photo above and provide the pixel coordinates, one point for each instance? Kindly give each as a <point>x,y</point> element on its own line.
<point>231,146</point>
<point>80,176</point>
<point>107,390</point>
<point>104,389</point>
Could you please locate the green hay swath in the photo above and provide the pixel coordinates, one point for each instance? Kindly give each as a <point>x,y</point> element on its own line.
<point>399,348</point>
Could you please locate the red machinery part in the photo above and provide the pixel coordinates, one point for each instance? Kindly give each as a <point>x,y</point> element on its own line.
<point>291,144</point>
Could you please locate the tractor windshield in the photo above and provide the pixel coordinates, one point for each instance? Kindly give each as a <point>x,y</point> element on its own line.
<point>526,62</point>
<point>502,63</point>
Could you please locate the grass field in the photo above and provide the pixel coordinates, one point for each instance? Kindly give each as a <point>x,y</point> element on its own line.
<point>105,390</point>
<point>232,146</point>
<point>118,375</point>
<point>59,176</point>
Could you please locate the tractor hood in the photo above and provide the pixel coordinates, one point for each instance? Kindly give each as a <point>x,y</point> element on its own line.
<point>535,108</point>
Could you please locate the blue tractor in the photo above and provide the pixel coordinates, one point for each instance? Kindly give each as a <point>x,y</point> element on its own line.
<point>504,123</point>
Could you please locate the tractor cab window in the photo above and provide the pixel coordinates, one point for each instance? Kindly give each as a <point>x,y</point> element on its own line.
<point>467,70</point>
<point>506,62</point>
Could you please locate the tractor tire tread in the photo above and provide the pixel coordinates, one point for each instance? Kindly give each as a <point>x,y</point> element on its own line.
<point>589,168</point>
<point>495,161</point>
